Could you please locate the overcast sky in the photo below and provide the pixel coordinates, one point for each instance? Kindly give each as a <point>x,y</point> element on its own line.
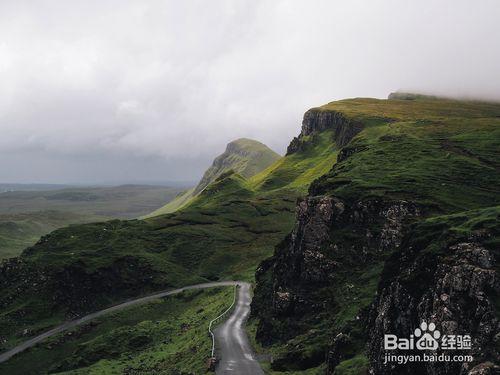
<point>130,91</point>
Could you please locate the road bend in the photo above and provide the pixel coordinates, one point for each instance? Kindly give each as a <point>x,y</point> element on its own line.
<point>232,346</point>
<point>71,324</point>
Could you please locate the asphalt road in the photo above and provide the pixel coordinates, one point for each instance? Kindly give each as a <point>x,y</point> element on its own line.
<point>63,327</point>
<point>232,347</point>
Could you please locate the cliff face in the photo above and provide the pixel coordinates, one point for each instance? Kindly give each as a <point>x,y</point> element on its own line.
<point>316,120</point>
<point>431,276</point>
<point>452,282</point>
<point>373,251</point>
<point>331,237</point>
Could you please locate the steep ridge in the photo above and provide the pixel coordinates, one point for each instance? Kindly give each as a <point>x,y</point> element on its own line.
<point>225,231</point>
<point>317,120</point>
<point>355,266</point>
<point>244,156</point>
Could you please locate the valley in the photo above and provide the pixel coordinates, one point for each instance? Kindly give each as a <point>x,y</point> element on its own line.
<point>381,214</point>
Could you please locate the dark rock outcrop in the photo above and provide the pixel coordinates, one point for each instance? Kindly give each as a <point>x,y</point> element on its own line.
<point>316,120</point>
<point>436,277</point>
<point>289,284</point>
<point>453,287</point>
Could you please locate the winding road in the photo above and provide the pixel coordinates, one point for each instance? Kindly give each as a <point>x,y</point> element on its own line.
<point>232,346</point>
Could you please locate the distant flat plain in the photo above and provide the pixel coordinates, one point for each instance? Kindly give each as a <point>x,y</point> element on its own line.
<point>29,211</point>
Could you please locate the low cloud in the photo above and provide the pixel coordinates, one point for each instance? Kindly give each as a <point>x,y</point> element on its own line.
<point>158,88</point>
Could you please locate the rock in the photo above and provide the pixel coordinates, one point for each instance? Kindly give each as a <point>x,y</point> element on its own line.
<point>453,289</point>
<point>316,120</point>
<point>335,355</point>
<point>486,368</point>
<point>308,259</point>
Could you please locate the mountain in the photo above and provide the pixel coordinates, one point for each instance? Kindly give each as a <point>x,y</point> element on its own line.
<point>383,213</point>
<point>225,232</point>
<point>403,229</point>
<point>244,156</point>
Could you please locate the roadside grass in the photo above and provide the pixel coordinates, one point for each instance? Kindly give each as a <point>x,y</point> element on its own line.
<point>165,336</point>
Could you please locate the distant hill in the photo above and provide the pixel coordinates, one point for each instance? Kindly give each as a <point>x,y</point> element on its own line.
<point>26,213</point>
<point>244,156</point>
<point>30,187</point>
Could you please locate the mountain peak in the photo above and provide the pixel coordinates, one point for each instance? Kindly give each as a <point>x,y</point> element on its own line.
<point>245,156</point>
<point>247,144</point>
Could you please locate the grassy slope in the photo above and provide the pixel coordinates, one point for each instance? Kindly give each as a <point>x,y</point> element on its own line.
<point>246,165</point>
<point>442,154</point>
<point>224,233</point>
<point>166,336</point>
<point>19,231</point>
<point>243,156</point>
<point>25,216</point>
<point>435,152</point>
<point>175,204</point>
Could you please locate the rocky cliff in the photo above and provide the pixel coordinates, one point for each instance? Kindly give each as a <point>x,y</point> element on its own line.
<point>373,250</point>
<point>444,277</point>
<point>333,243</point>
<point>316,120</point>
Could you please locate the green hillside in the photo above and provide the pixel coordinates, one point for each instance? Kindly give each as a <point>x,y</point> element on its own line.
<point>232,225</point>
<point>21,230</point>
<point>246,157</point>
<point>26,215</point>
<point>439,152</point>
<point>417,160</point>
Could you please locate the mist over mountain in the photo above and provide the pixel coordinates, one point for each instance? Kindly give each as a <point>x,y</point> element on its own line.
<point>108,91</point>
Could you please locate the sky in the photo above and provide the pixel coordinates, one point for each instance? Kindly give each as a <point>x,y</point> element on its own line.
<point>129,91</point>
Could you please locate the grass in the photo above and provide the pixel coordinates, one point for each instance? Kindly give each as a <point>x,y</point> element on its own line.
<point>298,170</point>
<point>25,216</point>
<point>166,336</point>
<point>243,156</point>
<point>175,204</point>
<point>450,164</point>
<point>19,231</point>
<point>224,233</point>
<point>357,365</point>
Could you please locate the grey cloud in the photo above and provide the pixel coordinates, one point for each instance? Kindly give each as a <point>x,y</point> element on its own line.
<point>168,83</point>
